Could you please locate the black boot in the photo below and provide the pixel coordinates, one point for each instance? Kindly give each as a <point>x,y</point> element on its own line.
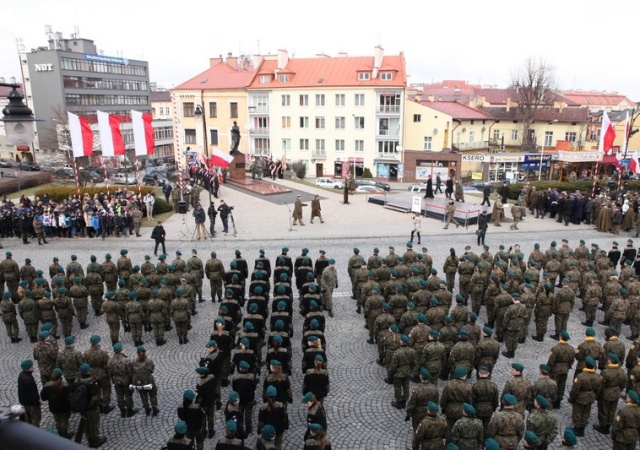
<point>97,443</point>
<point>633,337</point>
<point>522,340</point>
<point>123,412</point>
<point>507,354</point>
<point>587,323</point>
<point>211,434</point>
<point>397,405</point>
<point>107,409</point>
<point>579,431</point>
<point>180,340</point>
<point>132,412</point>
<point>168,328</point>
<point>602,429</point>
<point>555,337</point>
<point>185,340</point>
<point>155,411</point>
<point>538,337</point>
<point>147,411</point>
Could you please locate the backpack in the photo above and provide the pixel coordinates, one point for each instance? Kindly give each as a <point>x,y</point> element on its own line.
<point>79,400</point>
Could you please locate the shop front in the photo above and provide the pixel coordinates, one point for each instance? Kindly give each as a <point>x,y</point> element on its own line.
<point>341,168</point>
<point>419,166</point>
<point>386,168</point>
<point>570,165</point>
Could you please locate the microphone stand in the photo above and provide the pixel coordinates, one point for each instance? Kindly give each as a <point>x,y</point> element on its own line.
<point>290,218</point>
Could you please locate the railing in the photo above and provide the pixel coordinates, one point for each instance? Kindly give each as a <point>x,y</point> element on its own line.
<point>319,154</point>
<point>389,109</point>
<point>476,145</point>
<point>258,109</point>
<point>387,132</point>
<point>264,130</point>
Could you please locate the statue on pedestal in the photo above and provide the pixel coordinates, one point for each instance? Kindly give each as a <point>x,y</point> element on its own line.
<point>235,137</point>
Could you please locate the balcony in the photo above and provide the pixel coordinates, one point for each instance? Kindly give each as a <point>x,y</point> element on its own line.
<point>259,131</point>
<point>389,133</point>
<point>477,145</point>
<point>389,109</point>
<point>319,154</point>
<point>262,109</point>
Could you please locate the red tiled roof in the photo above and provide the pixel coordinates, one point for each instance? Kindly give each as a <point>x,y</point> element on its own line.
<point>457,110</point>
<point>544,115</point>
<point>339,71</point>
<point>496,96</point>
<point>160,96</point>
<point>586,98</point>
<point>449,89</point>
<point>221,76</point>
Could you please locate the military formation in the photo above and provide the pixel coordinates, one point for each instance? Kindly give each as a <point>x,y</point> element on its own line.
<point>251,339</point>
<point>439,360</point>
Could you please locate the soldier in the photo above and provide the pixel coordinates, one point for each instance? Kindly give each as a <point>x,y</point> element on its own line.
<point>565,300</point>
<point>486,396</point>
<point>273,413</point>
<point>560,362</point>
<point>10,274</point>
<point>496,213</point>
<point>28,310</point>
<point>45,353</point>
<point>613,382</point>
<point>432,431</point>
<point>197,270</point>
<point>158,315</point>
<point>181,315</point>
<point>214,269</point>
<point>450,210</point>
<point>468,431</point>
<point>432,356</point>
<point>64,308</point>
<point>142,378</point>
<point>69,360</point>
<point>98,359</point>
<point>80,297</point>
<point>463,352</point>
<point>456,392</point>
<point>329,282</point>
<point>542,422</point>
<point>92,412</point>
<point>57,393</point>
<point>520,387</point>
<point>545,301</point>
<point>420,397</point>
<point>591,298</point>
<point>206,397</point>
<point>120,370</point>
<point>112,310</point>
<point>477,287</point>
<point>466,270</point>
<point>94,283</point>
<point>9,317</point>
<point>110,273</point>
<point>136,215</point>
<point>617,311</point>
<point>124,266</point>
<point>545,386</point>
<point>507,425</point>
<point>400,370</point>
<point>450,268</point>
<point>625,428</point>
<point>517,212</point>
<point>586,388</point>
<point>134,316</point>
<point>590,347</point>
<point>513,324</point>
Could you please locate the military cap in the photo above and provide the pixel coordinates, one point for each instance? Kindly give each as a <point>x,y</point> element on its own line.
<point>202,370</point>
<point>510,399</point>
<point>433,332</point>
<point>133,295</point>
<point>564,335</point>
<point>94,339</point>
<point>404,338</point>
<point>231,425</point>
<point>434,271</point>
<point>275,362</point>
<point>542,400</point>
<point>463,332</point>
<point>47,294</point>
<point>279,323</point>
<point>448,319</point>
<point>141,349</point>
<point>590,362</point>
<point>460,372</point>
<point>315,427</point>
<point>488,331</point>
<point>433,406</point>
<point>268,432</point>
<point>23,283</point>
<point>424,373</point>
<point>211,343</point>
<point>26,364</point>
<point>633,395</point>
<point>117,347</point>
<point>517,366</point>
<point>48,326</point>
<point>393,327</point>
<point>613,358</point>
<point>422,318</point>
<point>356,250</point>
<point>590,332</point>
<point>249,326</point>
<point>319,358</point>
<point>244,365</point>
<point>314,323</point>
<point>531,437</point>
<point>623,291</point>
<point>57,372</point>
<point>69,340</point>
<point>162,257</point>
<point>43,335</point>
<point>409,245</point>
<point>468,408</point>
<point>312,338</point>
<point>277,339</point>
<point>491,444</point>
<point>411,305</point>
<point>124,251</point>
<point>545,368</point>
<point>515,295</point>
<point>615,243</point>
<point>85,368</point>
<point>433,301</point>
<point>332,261</point>
<point>569,437</point>
<point>307,397</point>
<point>189,395</point>
<point>459,298</point>
<point>9,254</point>
<point>271,391</point>
<point>313,304</point>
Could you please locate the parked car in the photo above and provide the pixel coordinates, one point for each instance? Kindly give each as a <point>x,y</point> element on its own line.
<point>28,166</point>
<point>477,186</point>
<point>420,187</point>
<point>148,179</point>
<point>123,178</point>
<point>329,183</point>
<point>369,182</point>
<point>5,163</point>
<point>46,167</point>
<point>64,174</point>
<point>369,189</point>
<point>91,176</point>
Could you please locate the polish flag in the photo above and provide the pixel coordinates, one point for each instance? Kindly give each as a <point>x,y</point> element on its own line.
<point>607,134</point>
<point>143,141</point>
<point>220,158</point>
<point>81,135</point>
<point>110,135</point>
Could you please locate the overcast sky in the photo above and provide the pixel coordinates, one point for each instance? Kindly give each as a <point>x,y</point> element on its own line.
<point>591,44</point>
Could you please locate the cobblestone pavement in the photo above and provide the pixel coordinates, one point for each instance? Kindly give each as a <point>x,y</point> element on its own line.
<point>359,409</point>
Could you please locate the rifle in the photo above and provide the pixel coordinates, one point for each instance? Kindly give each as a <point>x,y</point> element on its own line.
<point>81,426</point>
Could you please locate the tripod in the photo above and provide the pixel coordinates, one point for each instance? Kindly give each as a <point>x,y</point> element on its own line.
<point>290,218</point>
<point>184,231</point>
<point>206,233</point>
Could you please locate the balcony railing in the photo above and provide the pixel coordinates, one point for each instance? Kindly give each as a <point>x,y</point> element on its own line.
<point>476,145</point>
<point>264,130</point>
<point>319,154</point>
<point>258,110</point>
<point>386,132</point>
<point>389,109</point>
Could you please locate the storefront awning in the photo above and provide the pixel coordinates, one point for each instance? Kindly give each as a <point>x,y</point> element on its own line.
<point>389,160</point>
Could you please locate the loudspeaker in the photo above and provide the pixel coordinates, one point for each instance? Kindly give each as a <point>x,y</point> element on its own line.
<point>182,207</point>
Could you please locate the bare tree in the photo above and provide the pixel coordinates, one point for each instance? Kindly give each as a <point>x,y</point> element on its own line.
<point>534,86</point>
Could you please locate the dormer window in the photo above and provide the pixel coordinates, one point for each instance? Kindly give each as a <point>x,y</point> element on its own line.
<point>386,76</point>
<point>283,78</point>
<point>364,76</point>
<point>264,79</point>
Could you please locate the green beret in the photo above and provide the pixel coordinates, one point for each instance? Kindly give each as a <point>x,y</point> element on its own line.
<point>356,250</point>
<point>268,432</point>
<point>448,319</point>
<point>275,362</point>
<point>202,370</point>
<point>491,444</point>
<point>590,362</point>
<point>409,245</point>
<point>85,368</point>
<point>433,332</point>
<point>433,406</point>
<point>564,334</point>
<point>271,391</point>
<point>189,395</point>
<point>623,291</point>
<point>26,364</point>
<point>162,257</point>
<point>244,365</point>
<point>57,372</point>
<point>460,372</point>
<point>424,373</point>
<point>463,332</point>
<point>141,349</point>
<point>488,331</point>
<point>211,343</point>
<point>510,399</point>
<point>433,301</point>
<point>393,327</point>
<point>613,358</point>
<point>545,368</point>
<point>69,340</point>
<point>531,437</point>
<point>307,397</point>
<point>569,437</point>
<point>332,261</point>
<point>542,400</point>
<point>94,339</point>
<point>319,358</point>
<point>404,338</point>
<point>468,408</point>
<point>117,347</point>
<point>633,395</point>
<point>615,243</point>
<point>315,427</point>
<point>133,295</point>
<point>231,425</point>
<point>43,335</point>
<point>459,298</point>
<point>517,366</point>
<point>590,332</point>
<point>422,318</point>
<point>124,251</point>
<point>23,283</point>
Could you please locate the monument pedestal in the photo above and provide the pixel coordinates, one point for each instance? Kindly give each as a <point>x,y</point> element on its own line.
<point>237,168</point>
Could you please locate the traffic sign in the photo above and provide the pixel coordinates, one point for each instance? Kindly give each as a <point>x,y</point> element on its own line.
<point>625,162</point>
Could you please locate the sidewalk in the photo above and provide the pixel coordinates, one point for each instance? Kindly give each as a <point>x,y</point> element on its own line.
<point>257,218</point>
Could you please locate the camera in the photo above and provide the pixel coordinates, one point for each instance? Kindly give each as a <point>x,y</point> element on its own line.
<point>231,208</point>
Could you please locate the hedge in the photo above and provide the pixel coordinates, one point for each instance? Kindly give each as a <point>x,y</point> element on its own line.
<point>10,185</point>
<point>569,186</point>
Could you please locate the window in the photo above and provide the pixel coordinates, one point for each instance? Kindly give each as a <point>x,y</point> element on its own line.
<point>319,99</point>
<point>304,100</point>
<point>339,145</point>
<point>340,123</point>
<point>286,100</point>
<point>417,117</point>
<point>548,138</point>
<point>188,109</point>
<point>264,79</point>
<point>359,99</point>
<point>286,122</point>
<point>363,76</point>
<point>213,138</point>
<point>570,136</point>
<point>386,76</point>
<point>496,135</point>
<point>190,136</point>
<point>428,140</point>
<point>339,99</point>
<point>514,135</point>
<point>359,123</point>
<point>359,146</point>
<point>388,147</point>
<point>304,144</point>
<point>304,122</point>
<point>320,145</point>
<point>213,109</point>
<point>233,107</point>
<point>283,78</point>
<point>320,122</point>
<point>383,126</point>
<point>390,103</point>
<point>286,144</point>
<point>472,136</point>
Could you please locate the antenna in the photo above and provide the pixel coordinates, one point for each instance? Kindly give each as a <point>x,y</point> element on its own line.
<point>48,30</point>
<point>76,32</point>
<point>20,45</point>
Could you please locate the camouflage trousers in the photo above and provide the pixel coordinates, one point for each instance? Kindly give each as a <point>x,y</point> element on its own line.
<point>61,419</point>
<point>124,396</point>
<point>13,330</point>
<point>32,329</point>
<point>580,415</point>
<point>476,301</point>
<point>607,411</point>
<point>136,331</point>
<point>67,325</point>
<point>182,328</point>
<point>93,424</point>
<point>401,388</point>
<point>451,281</point>
<point>34,415</point>
<point>464,283</point>
<point>149,398</point>
<point>216,289</point>
<point>81,313</point>
<point>114,331</point>
<point>560,321</point>
<point>616,324</point>
<point>542,321</point>
<point>105,390</point>
<point>327,299</point>
<point>158,330</point>
<point>511,339</point>
<point>590,310</point>
<point>96,302</point>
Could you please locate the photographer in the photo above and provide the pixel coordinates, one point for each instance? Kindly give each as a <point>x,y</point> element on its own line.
<point>158,235</point>
<point>224,211</point>
<point>200,217</point>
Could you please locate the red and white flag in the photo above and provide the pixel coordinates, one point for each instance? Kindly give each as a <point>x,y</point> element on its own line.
<point>143,141</point>
<point>607,134</point>
<point>81,135</point>
<point>220,158</point>
<point>110,135</point>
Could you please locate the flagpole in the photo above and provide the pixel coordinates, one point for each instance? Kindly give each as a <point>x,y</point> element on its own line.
<point>138,176</point>
<point>75,173</point>
<point>106,177</point>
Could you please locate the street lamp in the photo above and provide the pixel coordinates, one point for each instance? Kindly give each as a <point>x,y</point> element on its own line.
<point>200,117</point>
<point>544,131</point>
<point>18,119</point>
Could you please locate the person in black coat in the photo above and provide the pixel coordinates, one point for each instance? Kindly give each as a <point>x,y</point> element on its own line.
<point>57,392</point>
<point>429,191</point>
<point>567,210</point>
<point>449,188</point>
<point>158,234</point>
<point>206,395</point>
<point>486,192</point>
<point>504,193</point>
<point>578,211</point>
<point>541,205</point>
<point>483,224</point>
<point>28,393</point>
<point>560,207</point>
<point>588,211</point>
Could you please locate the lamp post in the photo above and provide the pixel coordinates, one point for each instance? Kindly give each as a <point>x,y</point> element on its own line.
<point>200,117</point>
<point>18,119</point>
<point>544,131</point>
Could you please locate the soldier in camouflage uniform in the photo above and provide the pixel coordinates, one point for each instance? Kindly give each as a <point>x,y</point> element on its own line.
<point>586,387</point>
<point>614,381</point>
<point>10,274</point>
<point>142,377</point>
<point>465,270</point>
<point>390,344</point>
<point>64,308</point>
<point>158,314</point>
<point>542,422</point>
<point>513,324</point>
<point>181,315</point>
<point>433,356</point>
<point>432,431</point>
<point>625,427</point>
<point>456,392</point>
<point>95,285</point>
<point>197,270</point>
<point>98,359</point>
<point>45,353</point>
<point>450,268</point>
<point>463,352</point>
<point>110,273</point>
<point>486,396</point>
<point>69,360</point>
<point>112,310</point>
<point>124,266</point>
<point>46,308</point>
<point>121,296</point>
<point>477,288</point>
<point>591,298</point>
<point>487,351</point>
<point>120,370</point>
<point>590,347</point>
<point>420,397</point>
<point>507,425</point>
<point>80,296</point>
<point>545,301</point>
<point>618,311</point>
<point>520,387</point>
<point>468,431</point>
<point>28,310</point>
<point>135,317</point>
<point>560,361</point>
<point>400,370</point>
<point>9,317</point>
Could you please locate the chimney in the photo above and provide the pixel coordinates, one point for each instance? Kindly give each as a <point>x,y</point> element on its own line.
<point>342,55</point>
<point>215,61</point>
<point>232,60</point>
<point>378,53</point>
<point>283,59</point>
